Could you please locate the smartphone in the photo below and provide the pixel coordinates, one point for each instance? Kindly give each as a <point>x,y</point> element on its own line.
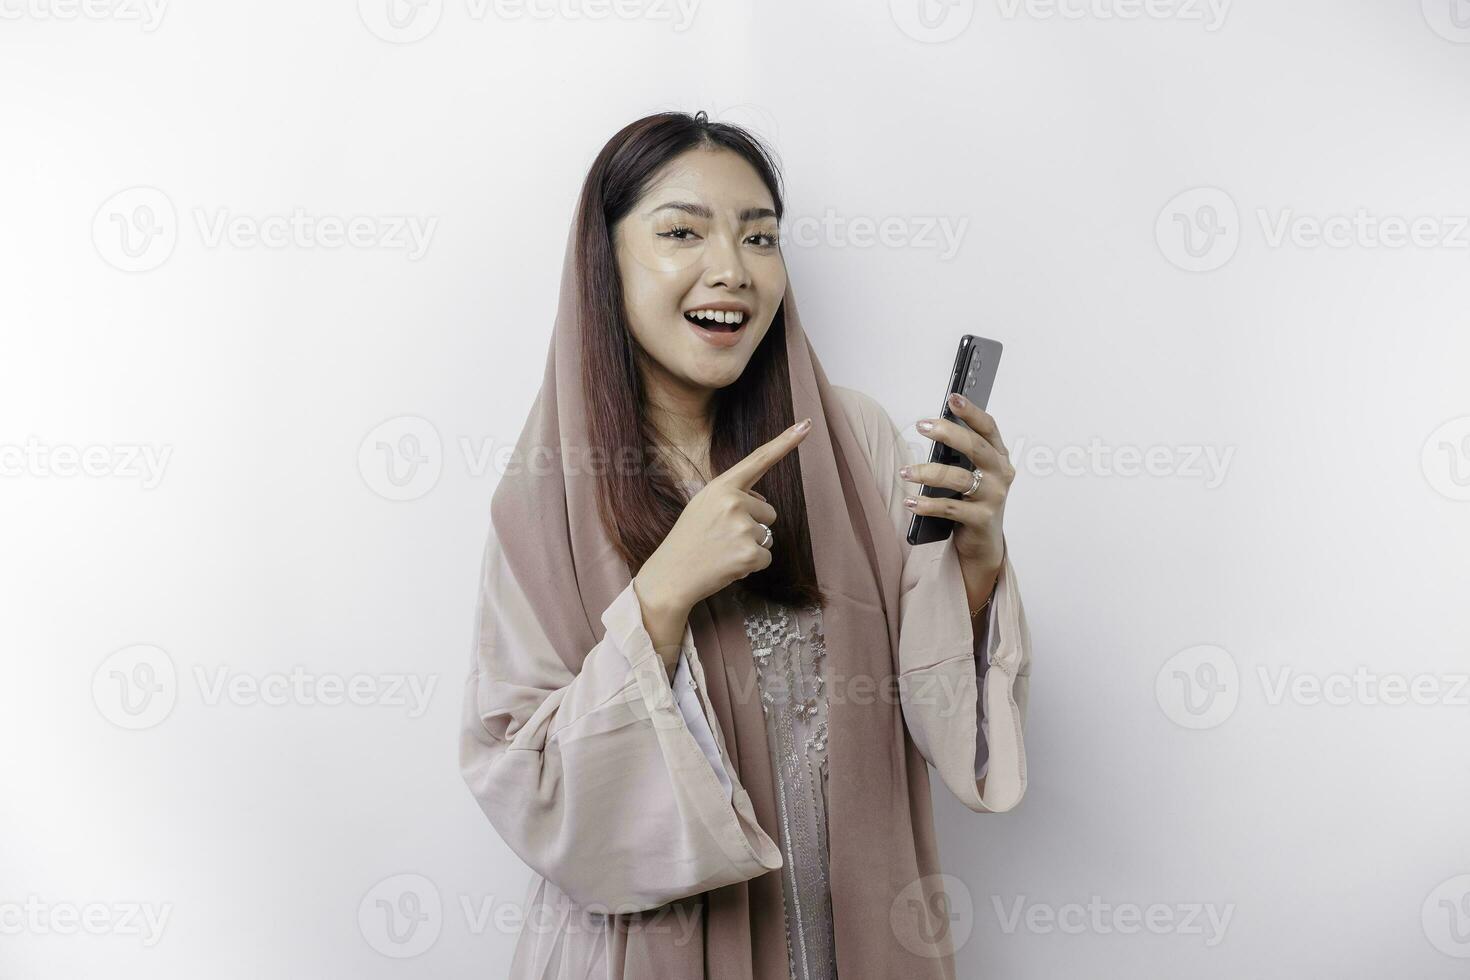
<point>973,376</point>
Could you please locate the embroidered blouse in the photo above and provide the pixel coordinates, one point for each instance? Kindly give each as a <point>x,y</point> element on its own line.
<point>790,657</point>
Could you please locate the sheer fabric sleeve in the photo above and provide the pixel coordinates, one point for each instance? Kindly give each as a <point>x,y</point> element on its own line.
<point>686,696</point>
<point>964,689</point>
<point>594,778</point>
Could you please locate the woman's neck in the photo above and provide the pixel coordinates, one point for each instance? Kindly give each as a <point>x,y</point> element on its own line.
<point>684,422</point>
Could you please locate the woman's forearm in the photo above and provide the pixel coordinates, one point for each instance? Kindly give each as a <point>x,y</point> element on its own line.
<point>664,619</point>
<point>979,583</point>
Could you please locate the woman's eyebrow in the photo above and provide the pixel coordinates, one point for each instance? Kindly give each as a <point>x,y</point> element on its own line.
<point>700,211</point>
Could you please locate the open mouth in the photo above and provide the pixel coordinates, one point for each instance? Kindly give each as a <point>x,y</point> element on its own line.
<point>717,320</point>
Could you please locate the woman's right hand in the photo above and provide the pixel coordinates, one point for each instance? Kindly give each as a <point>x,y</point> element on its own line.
<point>716,540</point>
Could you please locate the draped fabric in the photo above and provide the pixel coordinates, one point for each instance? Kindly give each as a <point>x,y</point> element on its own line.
<point>575,750</point>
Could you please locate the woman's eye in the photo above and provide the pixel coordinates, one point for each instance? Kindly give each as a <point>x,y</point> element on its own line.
<point>678,233</point>
<point>765,239</point>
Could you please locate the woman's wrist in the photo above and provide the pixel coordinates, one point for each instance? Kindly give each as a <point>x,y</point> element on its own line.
<point>979,588</point>
<point>664,619</point>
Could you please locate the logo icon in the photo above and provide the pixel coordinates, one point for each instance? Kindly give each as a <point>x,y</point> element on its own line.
<point>135,230</point>
<point>136,687</point>
<point>1446,917</point>
<point>1198,687</point>
<point>402,458</point>
<point>932,21</point>
<point>1450,19</point>
<point>935,924</point>
<point>400,21</point>
<point>1199,230</point>
<point>1445,459</point>
<point>401,916</point>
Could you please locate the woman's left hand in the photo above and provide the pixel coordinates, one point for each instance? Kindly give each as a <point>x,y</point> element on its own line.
<point>978,535</point>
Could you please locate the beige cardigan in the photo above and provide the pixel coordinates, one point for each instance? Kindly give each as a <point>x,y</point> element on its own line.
<point>595,780</point>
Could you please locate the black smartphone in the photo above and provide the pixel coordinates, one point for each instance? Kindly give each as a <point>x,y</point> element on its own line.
<point>973,376</point>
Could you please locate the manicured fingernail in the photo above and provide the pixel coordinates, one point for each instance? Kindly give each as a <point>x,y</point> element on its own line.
<point>925,425</point>
<point>905,472</point>
<point>910,503</point>
<point>803,425</point>
<point>957,400</point>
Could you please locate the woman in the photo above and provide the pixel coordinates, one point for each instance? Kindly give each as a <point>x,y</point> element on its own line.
<point>709,669</point>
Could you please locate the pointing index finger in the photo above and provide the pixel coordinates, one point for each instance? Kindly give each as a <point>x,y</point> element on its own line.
<point>749,470</point>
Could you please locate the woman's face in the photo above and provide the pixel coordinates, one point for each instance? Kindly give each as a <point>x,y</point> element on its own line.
<point>703,237</point>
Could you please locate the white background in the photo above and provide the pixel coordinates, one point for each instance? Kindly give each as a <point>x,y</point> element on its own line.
<point>1058,139</point>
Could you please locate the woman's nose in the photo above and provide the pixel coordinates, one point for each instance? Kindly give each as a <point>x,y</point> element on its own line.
<point>725,265</point>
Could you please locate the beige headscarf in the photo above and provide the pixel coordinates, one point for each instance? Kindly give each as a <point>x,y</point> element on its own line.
<point>881,833</point>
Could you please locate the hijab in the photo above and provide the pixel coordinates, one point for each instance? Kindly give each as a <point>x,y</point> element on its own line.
<point>883,858</point>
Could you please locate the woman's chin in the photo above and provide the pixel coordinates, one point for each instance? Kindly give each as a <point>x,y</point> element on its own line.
<point>708,375</point>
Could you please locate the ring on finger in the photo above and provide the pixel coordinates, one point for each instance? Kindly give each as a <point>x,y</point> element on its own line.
<point>770,535</point>
<point>975,476</point>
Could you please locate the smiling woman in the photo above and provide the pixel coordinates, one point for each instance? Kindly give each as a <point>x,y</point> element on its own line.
<point>703,712</point>
<point>716,320</point>
<point>690,221</point>
<point>665,248</point>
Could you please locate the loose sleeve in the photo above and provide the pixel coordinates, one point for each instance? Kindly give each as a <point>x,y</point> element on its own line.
<point>963,690</point>
<point>595,779</point>
<point>686,696</point>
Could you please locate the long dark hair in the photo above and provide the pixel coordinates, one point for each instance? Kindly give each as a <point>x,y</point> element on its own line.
<point>639,505</point>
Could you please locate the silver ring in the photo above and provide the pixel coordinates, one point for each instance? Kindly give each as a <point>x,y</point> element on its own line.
<point>975,476</point>
<point>770,535</point>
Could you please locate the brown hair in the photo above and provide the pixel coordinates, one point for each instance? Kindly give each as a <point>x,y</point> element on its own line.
<point>639,508</point>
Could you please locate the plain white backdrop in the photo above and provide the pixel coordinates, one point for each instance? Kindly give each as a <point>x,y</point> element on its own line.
<point>276,287</point>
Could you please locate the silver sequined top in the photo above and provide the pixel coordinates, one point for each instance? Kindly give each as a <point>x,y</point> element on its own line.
<point>790,657</point>
<point>790,653</point>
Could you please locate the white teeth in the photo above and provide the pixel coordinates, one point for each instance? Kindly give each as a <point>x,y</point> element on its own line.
<point>719,316</point>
